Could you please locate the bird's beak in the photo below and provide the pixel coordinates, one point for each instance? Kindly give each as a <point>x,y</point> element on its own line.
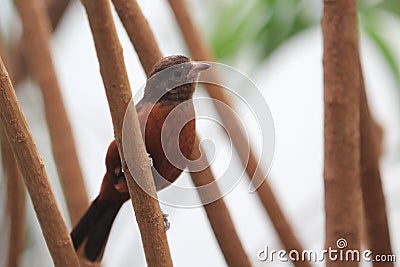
<point>198,67</point>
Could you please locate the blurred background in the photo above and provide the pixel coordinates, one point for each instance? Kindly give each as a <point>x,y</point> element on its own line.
<point>278,44</point>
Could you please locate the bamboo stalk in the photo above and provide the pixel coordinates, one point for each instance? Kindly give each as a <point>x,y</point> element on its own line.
<point>218,215</point>
<point>377,227</point>
<point>200,51</point>
<point>54,230</point>
<point>119,95</point>
<point>15,196</point>
<point>56,10</point>
<point>36,28</point>
<point>342,125</point>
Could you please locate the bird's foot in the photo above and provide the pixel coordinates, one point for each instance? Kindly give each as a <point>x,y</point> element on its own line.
<point>150,159</point>
<point>120,183</point>
<point>167,225</point>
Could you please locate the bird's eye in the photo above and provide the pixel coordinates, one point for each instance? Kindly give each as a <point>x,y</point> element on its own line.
<point>177,74</point>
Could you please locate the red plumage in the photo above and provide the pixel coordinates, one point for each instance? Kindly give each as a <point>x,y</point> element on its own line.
<point>90,234</point>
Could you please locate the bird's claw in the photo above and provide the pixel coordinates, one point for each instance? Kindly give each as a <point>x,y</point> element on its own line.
<point>167,224</point>
<point>150,159</point>
<point>120,182</point>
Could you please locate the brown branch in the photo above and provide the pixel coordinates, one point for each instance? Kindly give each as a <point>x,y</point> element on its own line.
<point>149,53</point>
<point>15,203</point>
<point>200,51</point>
<point>138,30</point>
<point>378,136</point>
<point>36,28</point>
<point>342,125</point>
<point>15,196</point>
<point>54,230</point>
<point>56,10</point>
<point>119,95</point>
<point>373,197</point>
<point>217,212</point>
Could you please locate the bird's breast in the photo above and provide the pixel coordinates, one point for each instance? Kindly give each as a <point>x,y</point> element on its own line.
<point>169,134</point>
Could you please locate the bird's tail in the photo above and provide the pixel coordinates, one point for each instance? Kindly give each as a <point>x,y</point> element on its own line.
<point>93,229</point>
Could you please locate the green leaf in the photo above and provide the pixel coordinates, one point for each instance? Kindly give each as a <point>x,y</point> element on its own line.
<point>267,24</point>
<point>263,24</point>
<point>370,24</point>
<point>392,6</point>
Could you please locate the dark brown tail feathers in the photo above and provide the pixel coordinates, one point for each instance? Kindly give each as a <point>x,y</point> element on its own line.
<point>94,228</point>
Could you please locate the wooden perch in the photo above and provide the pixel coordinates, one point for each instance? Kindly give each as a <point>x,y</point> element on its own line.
<point>54,230</point>
<point>119,95</point>
<point>217,213</point>
<point>342,125</point>
<point>377,228</point>
<point>36,28</point>
<point>145,44</point>
<point>15,203</point>
<point>15,196</point>
<point>138,30</point>
<point>200,51</point>
<point>56,10</point>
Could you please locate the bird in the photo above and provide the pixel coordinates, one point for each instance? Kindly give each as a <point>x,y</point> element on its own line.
<point>168,92</point>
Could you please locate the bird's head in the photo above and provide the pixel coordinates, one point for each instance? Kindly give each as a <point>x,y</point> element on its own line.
<point>173,79</point>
